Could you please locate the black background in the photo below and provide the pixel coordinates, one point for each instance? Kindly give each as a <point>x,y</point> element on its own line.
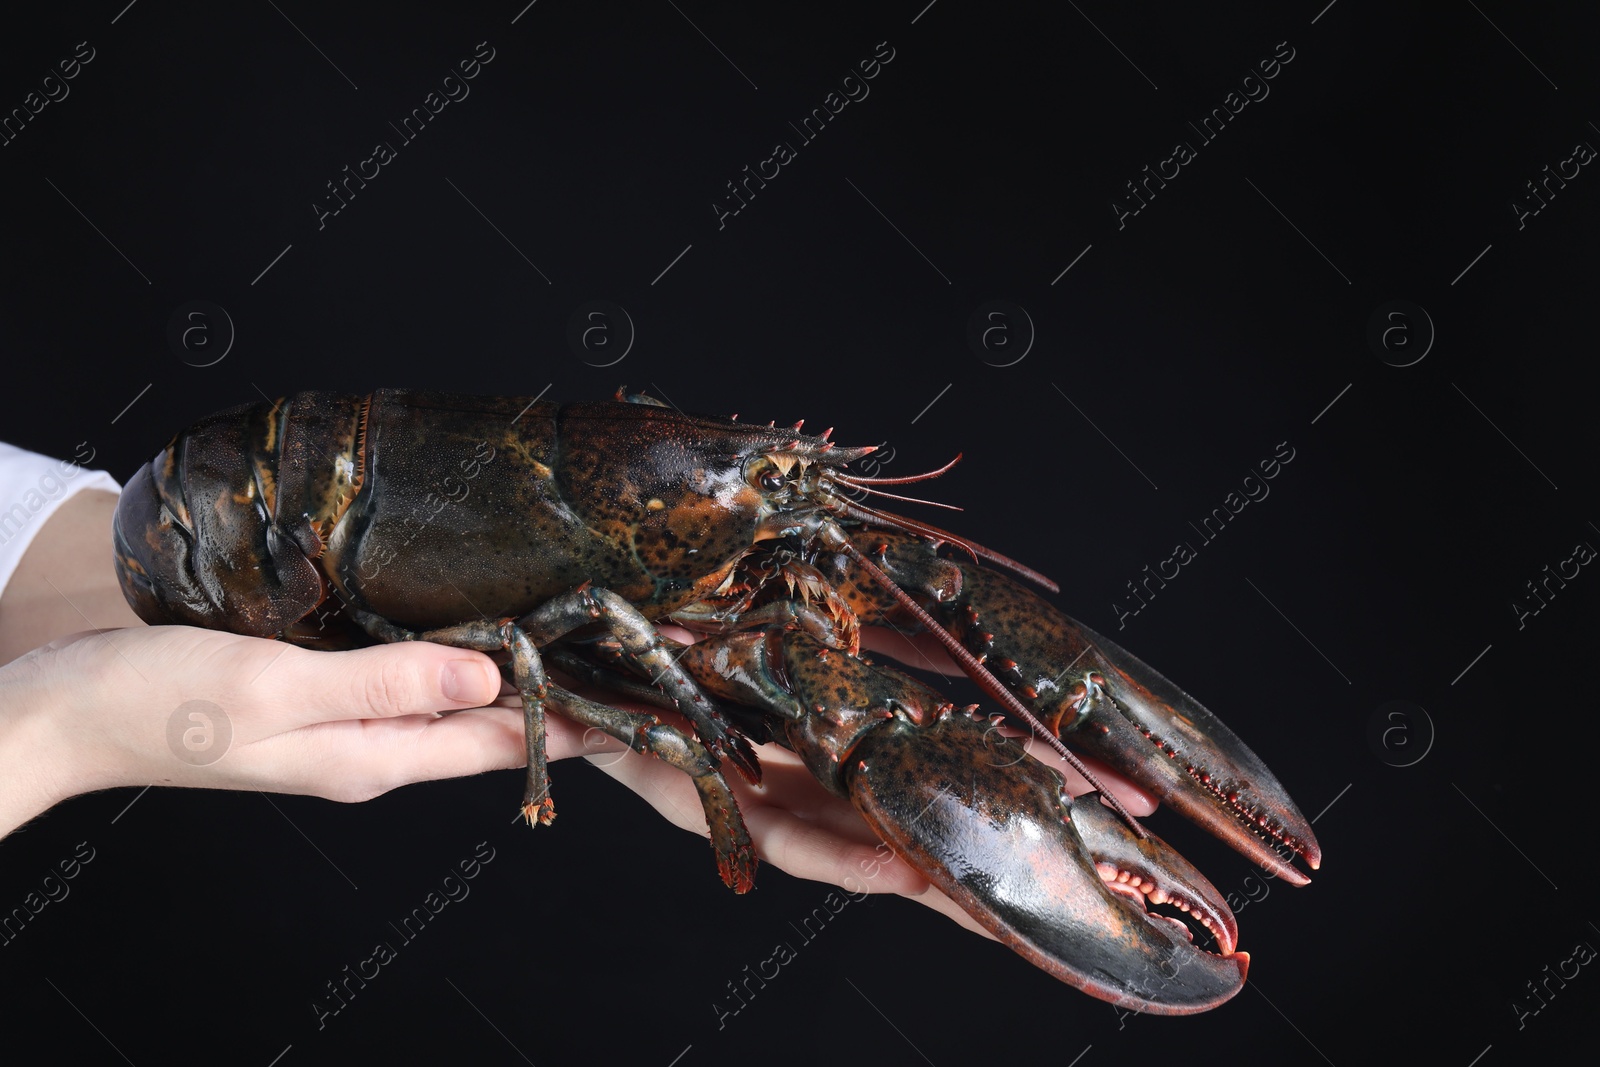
<point>1197,337</point>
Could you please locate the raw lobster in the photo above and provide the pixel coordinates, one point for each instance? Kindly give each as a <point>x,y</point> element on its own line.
<point>562,533</point>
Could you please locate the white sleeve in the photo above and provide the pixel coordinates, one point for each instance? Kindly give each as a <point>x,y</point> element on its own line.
<point>32,487</point>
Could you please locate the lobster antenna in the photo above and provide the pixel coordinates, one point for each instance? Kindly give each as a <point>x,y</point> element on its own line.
<point>880,519</point>
<point>893,496</point>
<point>990,684</point>
<point>905,479</point>
<point>890,521</point>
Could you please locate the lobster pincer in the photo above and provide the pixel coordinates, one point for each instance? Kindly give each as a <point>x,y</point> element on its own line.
<point>1095,695</point>
<point>1063,882</point>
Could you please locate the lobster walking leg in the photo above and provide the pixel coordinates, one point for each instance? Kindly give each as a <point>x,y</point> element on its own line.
<point>730,839</point>
<point>645,734</point>
<point>634,639</point>
<point>527,672</point>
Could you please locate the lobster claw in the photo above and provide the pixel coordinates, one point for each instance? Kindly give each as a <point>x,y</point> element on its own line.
<point>1065,883</point>
<point>1128,712</point>
<point>1062,882</point>
<point>1102,700</point>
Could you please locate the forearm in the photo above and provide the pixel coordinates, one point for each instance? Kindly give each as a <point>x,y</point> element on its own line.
<point>67,581</point>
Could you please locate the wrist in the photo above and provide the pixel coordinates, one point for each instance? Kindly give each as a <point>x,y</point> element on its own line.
<point>34,763</point>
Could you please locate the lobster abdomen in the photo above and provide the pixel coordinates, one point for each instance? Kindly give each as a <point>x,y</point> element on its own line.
<point>425,509</point>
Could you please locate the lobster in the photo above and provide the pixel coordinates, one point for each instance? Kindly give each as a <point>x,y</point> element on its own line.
<point>563,533</point>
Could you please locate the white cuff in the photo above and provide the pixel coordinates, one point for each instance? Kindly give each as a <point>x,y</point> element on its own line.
<point>32,487</point>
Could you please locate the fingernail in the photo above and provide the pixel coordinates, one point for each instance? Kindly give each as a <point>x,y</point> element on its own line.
<point>467,682</point>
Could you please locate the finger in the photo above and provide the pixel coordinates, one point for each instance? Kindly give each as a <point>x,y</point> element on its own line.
<point>665,788</point>
<point>563,737</point>
<point>354,760</point>
<point>790,786</point>
<point>677,633</point>
<point>384,681</point>
<point>922,651</point>
<point>931,897</point>
<point>786,782</point>
<point>786,785</point>
<point>808,850</point>
<point>66,640</point>
<point>812,849</point>
<point>805,850</point>
<point>1134,797</point>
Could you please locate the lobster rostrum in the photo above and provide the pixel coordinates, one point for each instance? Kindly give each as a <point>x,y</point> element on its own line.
<point>561,533</point>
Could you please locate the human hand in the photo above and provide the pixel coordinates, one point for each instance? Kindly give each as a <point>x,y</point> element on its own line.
<point>800,827</point>
<point>174,705</point>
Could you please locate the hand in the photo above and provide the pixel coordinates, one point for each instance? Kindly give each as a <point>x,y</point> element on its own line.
<point>175,705</point>
<point>800,827</point>
<point>103,709</point>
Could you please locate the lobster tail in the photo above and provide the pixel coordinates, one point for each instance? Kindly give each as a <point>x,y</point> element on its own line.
<point>223,525</point>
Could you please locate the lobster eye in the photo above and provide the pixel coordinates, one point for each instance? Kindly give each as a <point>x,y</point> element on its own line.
<point>767,475</point>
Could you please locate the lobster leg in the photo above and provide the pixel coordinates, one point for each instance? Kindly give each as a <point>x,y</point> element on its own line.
<point>631,637</point>
<point>736,861</point>
<point>527,672</point>
<point>564,658</point>
<point>645,734</point>
<point>634,639</point>
<point>993,828</point>
<point>1097,696</point>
